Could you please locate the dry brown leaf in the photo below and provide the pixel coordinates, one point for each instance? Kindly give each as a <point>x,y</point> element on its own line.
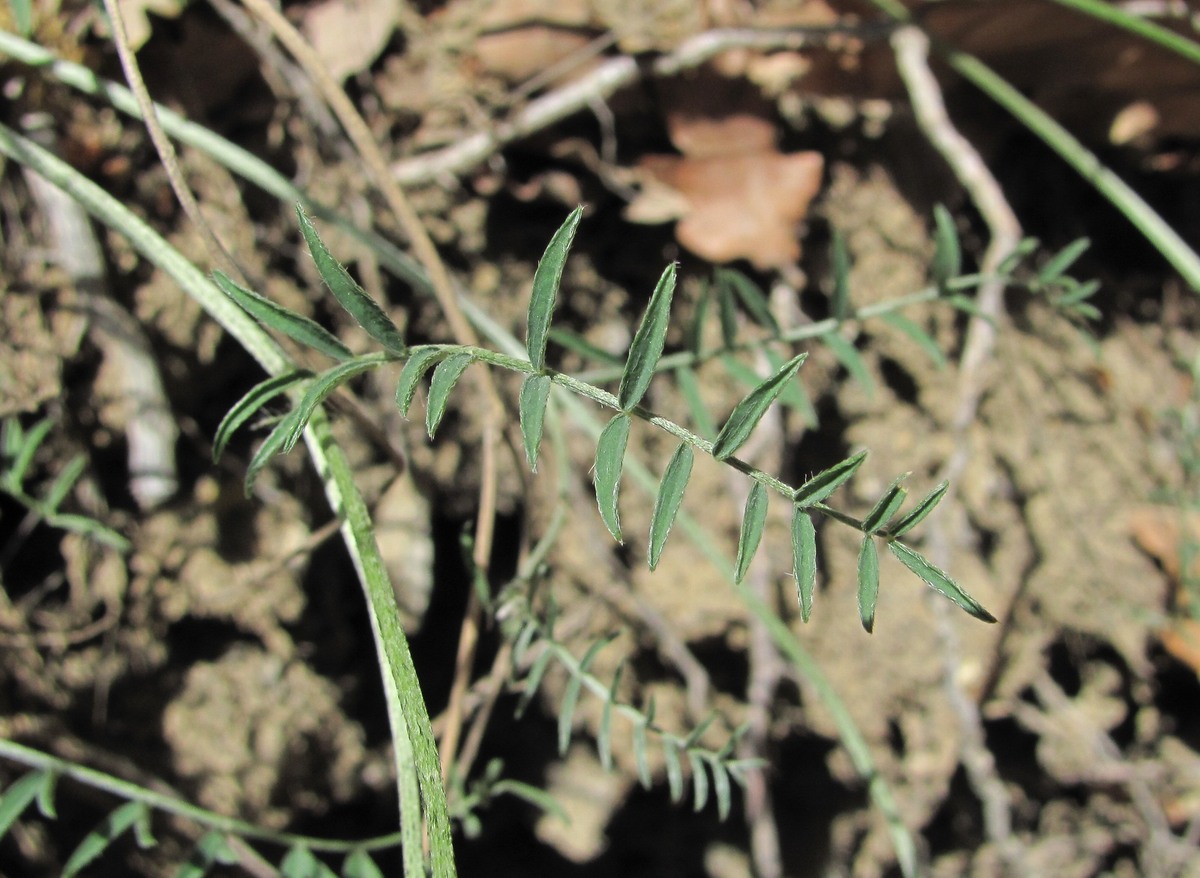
<point>516,55</point>
<point>1157,532</point>
<point>350,34</point>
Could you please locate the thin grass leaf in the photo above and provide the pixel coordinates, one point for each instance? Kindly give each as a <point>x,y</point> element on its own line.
<point>576,343</point>
<point>694,337</point>
<point>97,841</point>
<point>213,848</point>
<point>887,506</point>
<point>922,338</point>
<point>18,797</point>
<point>754,522</point>
<point>753,298</point>
<point>721,788</point>
<point>295,326</point>
<point>689,389</point>
<point>804,559</point>
<point>414,370</point>
<point>532,681</point>
<point>352,297</point>
<point>639,755</point>
<point>727,312</point>
<point>360,865</point>
<point>320,388</point>
<point>271,446</point>
<point>829,480</point>
<point>610,458</point>
<point>868,582</point>
<point>747,413</point>
<point>839,258</point>
<point>604,735</point>
<point>648,341</point>
<point>64,482</point>
<point>670,495</point>
<point>847,354</point>
<point>793,393</point>
<point>699,781</point>
<point>445,376</point>
<point>947,252</point>
<point>258,396</point>
<point>938,580</point>
<point>299,862</point>
<point>920,511</point>
<point>535,393</point>
<point>1058,265</point>
<point>674,770</point>
<point>546,280</point>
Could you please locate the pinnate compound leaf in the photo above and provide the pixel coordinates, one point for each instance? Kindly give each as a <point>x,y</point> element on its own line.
<point>546,280</point>
<point>921,510</point>
<point>352,297</point>
<point>18,797</point>
<point>804,559</point>
<point>97,841</point>
<point>360,865</point>
<point>754,521</point>
<point>258,396</point>
<point>887,506</point>
<point>445,376</point>
<point>648,342</point>
<point>323,385</point>
<point>670,495</point>
<point>753,298</point>
<point>839,256</point>
<point>829,480</point>
<point>610,459</point>
<point>295,326</point>
<point>699,781</point>
<point>271,446</point>
<point>535,394</point>
<point>747,413</point>
<point>414,370</point>
<point>947,253</point>
<point>938,580</point>
<point>868,582</point>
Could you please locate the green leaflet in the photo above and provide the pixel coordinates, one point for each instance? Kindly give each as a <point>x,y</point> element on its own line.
<point>699,781</point>
<point>258,396</point>
<point>639,755</point>
<point>98,840</point>
<point>747,413</point>
<point>848,355</point>
<point>839,257</point>
<point>293,325</point>
<point>360,865</point>
<point>947,254</point>
<point>868,582</point>
<point>271,446</point>
<point>938,580</point>
<point>922,338</point>
<point>721,788</point>
<point>804,559</point>
<point>18,797</point>
<point>887,506</point>
<point>352,297</point>
<point>689,387</point>
<point>445,376</point>
<point>420,362</point>
<point>572,341</point>
<point>323,385</point>
<point>1063,260</point>
<point>610,457</point>
<point>546,280</point>
<point>532,681</point>
<point>754,521</point>
<point>566,712</point>
<point>648,342</point>
<point>535,393</point>
<point>753,299</point>
<point>727,312</point>
<point>794,394</point>
<point>212,848</point>
<point>674,770</point>
<point>670,495</point>
<point>827,481</point>
<point>604,735</point>
<point>920,511</point>
<point>694,337</point>
<point>299,862</point>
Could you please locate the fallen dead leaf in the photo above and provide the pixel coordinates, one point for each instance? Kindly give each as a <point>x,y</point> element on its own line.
<point>350,34</point>
<point>1161,532</point>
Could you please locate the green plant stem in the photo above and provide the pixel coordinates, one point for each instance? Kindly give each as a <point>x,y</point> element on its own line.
<point>131,792</point>
<point>409,717</point>
<point>1137,24</point>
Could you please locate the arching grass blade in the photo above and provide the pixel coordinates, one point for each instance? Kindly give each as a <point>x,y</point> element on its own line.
<point>749,411</point>
<point>610,458</point>
<point>648,342</point>
<point>670,495</point>
<point>546,280</point>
